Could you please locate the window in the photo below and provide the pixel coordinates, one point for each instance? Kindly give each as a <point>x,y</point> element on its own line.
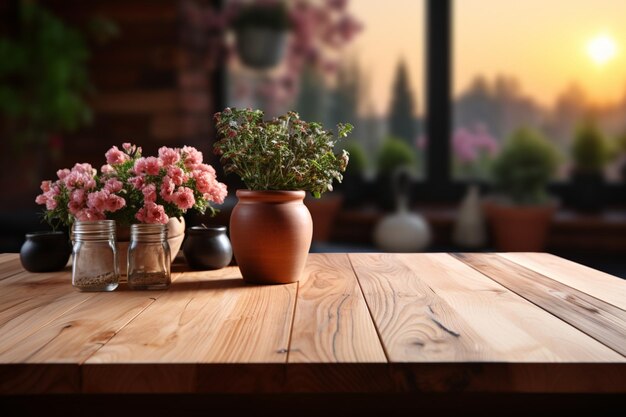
<point>547,65</point>
<point>355,61</point>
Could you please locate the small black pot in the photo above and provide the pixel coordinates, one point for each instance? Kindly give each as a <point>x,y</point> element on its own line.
<point>45,251</point>
<point>207,248</point>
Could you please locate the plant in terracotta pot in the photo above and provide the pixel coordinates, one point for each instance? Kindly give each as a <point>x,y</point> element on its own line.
<point>590,153</point>
<point>261,33</point>
<point>522,212</point>
<point>278,160</point>
<point>131,188</point>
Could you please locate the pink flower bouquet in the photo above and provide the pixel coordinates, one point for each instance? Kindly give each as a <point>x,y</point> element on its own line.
<point>131,188</point>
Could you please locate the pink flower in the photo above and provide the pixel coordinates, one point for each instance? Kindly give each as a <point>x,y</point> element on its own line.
<point>115,157</point>
<point>97,201</point>
<point>149,193</point>
<point>62,173</point>
<point>217,193</point>
<point>204,181</point>
<point>168,156</point>
<point>153,165</point>
<point>107,169</point>
<point>191,157</point>
<point>78,196</point>
<point>183,198</point>
<point>140,166</point>
<point>167,188</point>
<point>51,203</point>
<point>41,199</point>
<point>75,207</point>
<point>136,182</point>
<point>114,203</point>
<point>177,175</point>
<point>113,185</point>
<point>89,215</point>
<point>152,213</point>
<point>45,186</point>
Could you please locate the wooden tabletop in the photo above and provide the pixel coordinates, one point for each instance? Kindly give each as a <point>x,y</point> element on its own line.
<point>494,323</point>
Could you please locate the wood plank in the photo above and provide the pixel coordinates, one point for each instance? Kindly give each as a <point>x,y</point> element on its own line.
<point>596,283</point>
<point>514,329</point>
<point>30,301</point>
<point>205,317</point>
<point>332,326</point>
<point>599,319</point>
<point>432,307</point>
<point>10,266</point>
<point>415,324</point>
<point>331,321</point>
<point>76,335</point>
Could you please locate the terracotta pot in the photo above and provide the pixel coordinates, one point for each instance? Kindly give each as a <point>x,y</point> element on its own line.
<point>520,228</point>
<point>271,235</point>
<point>175,237</point>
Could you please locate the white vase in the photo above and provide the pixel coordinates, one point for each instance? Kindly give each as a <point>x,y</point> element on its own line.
<point>469,228</point>
<point>402,231</point>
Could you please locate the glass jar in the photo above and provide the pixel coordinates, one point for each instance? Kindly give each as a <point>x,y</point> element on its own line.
<point>149,257</point>
<point>94,264</point>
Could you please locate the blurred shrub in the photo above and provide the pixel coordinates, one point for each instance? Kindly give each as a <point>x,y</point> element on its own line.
<point>395,153</point>
<point>590,149</point>
<point>524,167</point>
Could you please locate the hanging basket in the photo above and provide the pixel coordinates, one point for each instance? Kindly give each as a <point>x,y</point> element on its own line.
<point>260,48</point>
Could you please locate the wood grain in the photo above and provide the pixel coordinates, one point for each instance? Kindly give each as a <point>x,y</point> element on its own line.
<point>599,319</point>
<point>588,280</point>
<point>76,335</point>
<point>30,301</point>
<point>205,317</point>
<point>332,322</point>
<point>10,266</point>
<point>513,329</point>
<point>415,324</point>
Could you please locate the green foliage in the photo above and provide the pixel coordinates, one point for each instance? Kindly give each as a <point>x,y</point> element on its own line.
<point>395,153</point>
<point>590,150</point>
<point>271,16</point>
<point>43,76</point>
<point>285,153</point>
<point>358,159</point>
<point>524,167</point>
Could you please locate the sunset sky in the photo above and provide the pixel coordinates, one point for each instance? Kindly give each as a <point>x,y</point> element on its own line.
<point>542,43</point>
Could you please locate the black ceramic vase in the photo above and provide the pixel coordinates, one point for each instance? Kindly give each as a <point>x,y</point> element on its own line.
<point>45,251</point>
<point>207,248</point>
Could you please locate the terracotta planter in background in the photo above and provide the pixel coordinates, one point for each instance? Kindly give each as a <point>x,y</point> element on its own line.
<point>271,233</point>
<point>520,228</point>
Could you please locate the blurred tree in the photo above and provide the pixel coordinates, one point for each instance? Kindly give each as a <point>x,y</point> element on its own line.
<point>401,119</point>
<point>346,95</point>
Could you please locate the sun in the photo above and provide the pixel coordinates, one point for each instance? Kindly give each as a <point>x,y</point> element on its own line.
<point>601,49</point>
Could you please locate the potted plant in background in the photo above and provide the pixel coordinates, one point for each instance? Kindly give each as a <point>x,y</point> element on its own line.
<point>394,155</point>
<point>521,213</point>
<point>131,188</point>
<point>278,160</point>
<point>590,154</point>
<point>261,33</point>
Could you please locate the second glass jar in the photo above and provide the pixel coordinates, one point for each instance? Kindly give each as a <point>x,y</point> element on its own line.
<point>149,257</point>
